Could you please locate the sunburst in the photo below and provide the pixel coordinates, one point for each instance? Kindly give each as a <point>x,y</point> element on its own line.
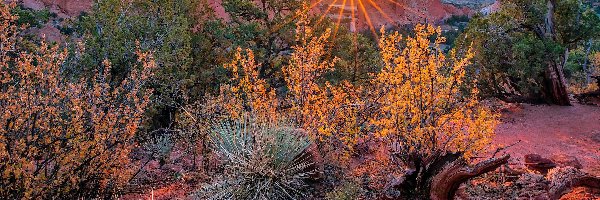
<point>359,12</point>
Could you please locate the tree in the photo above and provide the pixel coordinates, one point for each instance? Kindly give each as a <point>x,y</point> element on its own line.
<point>267,28</point>
<point>534,40</point>
<point>113,31</point>
<point>62,139</point>
<point>429,113</point>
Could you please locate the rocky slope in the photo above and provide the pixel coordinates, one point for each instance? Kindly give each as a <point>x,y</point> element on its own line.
<point>399,11</point>
<point>368,14</point>
<point>63,8</point>
<point>470,3</point>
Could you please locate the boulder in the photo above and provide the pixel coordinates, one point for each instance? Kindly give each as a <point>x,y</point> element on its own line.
<point>562,160</point>
<point>536,162</point>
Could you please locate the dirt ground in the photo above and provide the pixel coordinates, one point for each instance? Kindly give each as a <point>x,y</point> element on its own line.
<point>552,130</point>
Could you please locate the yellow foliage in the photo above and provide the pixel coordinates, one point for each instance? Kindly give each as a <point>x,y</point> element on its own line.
<point>595,64</point>
<point>420,100</point>
<point>248,91</point>
<point>320,108</point>
<point>426,105</point>
<point>420,103</point>
<point>582,88</point>
<point>324,110</point>
<point>60,139</point>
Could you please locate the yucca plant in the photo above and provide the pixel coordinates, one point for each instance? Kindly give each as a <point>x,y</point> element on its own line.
<point>261,161</point>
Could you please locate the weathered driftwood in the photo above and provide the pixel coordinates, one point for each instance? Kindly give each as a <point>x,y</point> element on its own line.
<point>445,184</point>
<point>439,177</point>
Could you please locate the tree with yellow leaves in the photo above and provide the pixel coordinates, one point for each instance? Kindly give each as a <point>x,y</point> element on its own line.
<point>61,139</point>
<point>328,112</point>
<point>428,114</point>
<point>426,105</point>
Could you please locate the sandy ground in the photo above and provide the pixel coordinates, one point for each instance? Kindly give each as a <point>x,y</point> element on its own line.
<point>552,130</point>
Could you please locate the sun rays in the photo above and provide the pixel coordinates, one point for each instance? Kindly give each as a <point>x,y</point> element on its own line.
<point>359,14</point>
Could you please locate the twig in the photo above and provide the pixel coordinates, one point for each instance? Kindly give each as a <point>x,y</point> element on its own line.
<point>141,168</point>
<point>504,148</point>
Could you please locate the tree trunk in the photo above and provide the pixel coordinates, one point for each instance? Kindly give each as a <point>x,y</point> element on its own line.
<point>555,87</point>
<point>587,72</point>
<point>446,182</point>
<point>439,177</point>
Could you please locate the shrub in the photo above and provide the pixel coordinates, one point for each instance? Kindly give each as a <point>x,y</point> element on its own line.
<point>31,17</point>
<point>261,161</point>
<point>428,113</point>
<point>60,139</point>
<point>346,191</point>
<point>326,111</point>
<point>427,104</point>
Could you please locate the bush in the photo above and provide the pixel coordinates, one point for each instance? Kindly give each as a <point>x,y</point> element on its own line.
<point>31,17</point>
<point>261,161</point>
<point>347,191</point>
<point>60,139</point>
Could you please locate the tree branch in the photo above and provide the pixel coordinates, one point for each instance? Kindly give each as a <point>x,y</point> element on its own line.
<point>445,183</point>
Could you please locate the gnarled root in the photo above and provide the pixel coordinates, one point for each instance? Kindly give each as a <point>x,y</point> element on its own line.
<point>447,181</point>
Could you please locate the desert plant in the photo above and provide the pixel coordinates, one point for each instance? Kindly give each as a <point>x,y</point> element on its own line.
<point>429,113</point>
<point>261,161</point>
<point>61,139</point>
<point>160,147</point>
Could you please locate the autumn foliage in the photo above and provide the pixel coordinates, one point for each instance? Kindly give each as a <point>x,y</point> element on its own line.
<point>420,105</point>
<point>326,111</point>
<point>427,106</point>
<point>73,137</point>
<point>59,138</point>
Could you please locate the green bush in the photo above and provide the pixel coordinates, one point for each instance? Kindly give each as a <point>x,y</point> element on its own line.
<point>347,191</point>
<point>261,161</point>
<point>31,17</point>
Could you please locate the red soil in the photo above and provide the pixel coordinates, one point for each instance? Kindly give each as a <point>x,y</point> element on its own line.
<point>552,130</point>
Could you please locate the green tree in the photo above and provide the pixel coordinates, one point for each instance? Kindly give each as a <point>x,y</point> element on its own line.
<point>114,30</point>
<point>522,49</point>
<point>356,52</point>
<point>266,27</point>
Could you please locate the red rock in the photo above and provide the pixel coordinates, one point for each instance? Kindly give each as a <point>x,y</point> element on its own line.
<point>51,33</point>
<point>71,8</point>
<point>33,4</point>
<point>563,160</point>
<point>538,163</point>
